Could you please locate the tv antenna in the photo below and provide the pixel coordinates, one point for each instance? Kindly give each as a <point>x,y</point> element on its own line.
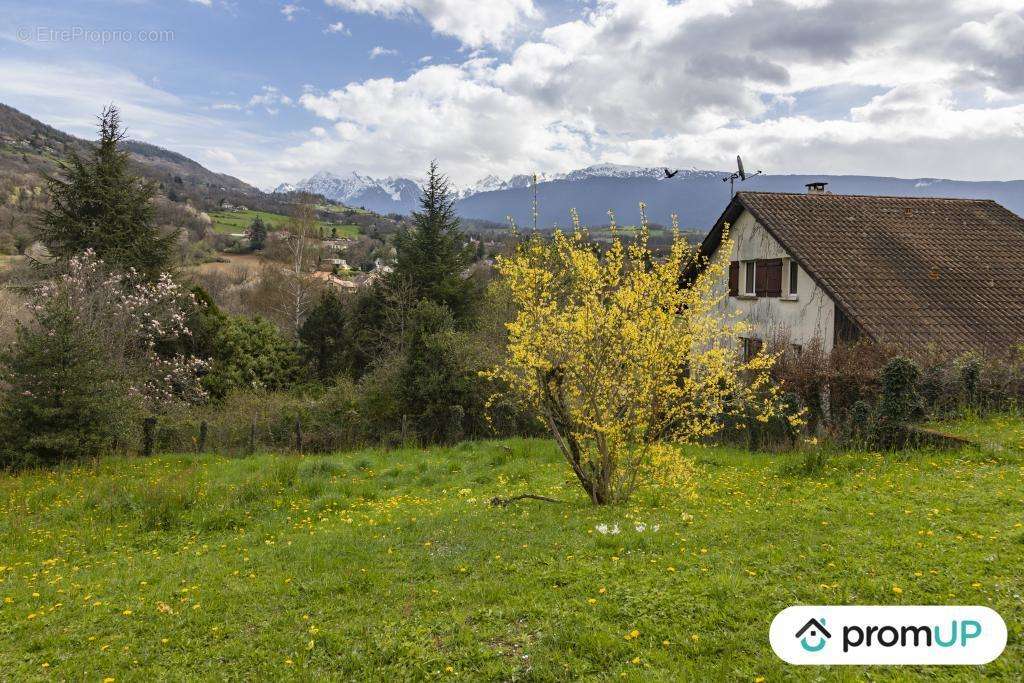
<point>740,175</point>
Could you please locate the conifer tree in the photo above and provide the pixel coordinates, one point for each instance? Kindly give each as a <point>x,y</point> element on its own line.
<point>325,337</point>
<point>101,205</point>
<point>432,256</point>
<point>257,234</point>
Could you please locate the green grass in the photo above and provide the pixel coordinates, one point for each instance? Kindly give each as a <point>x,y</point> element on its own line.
<point>234,222</point>
<point>392,566</point>
<point>995,432</point>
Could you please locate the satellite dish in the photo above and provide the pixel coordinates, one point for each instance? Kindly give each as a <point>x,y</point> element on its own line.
<point>740,175</point>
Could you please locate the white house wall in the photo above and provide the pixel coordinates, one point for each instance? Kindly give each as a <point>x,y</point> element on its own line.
<point>809,316</point>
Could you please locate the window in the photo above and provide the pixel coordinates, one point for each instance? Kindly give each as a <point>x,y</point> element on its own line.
<point>794,275</point>
<point>797,349</point>
<point>748,277</point>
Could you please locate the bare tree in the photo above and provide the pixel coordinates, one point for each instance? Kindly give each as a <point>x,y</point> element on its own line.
<point>289,270</point>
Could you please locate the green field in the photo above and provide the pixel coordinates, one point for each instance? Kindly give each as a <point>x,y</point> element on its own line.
<point>233,222</point>
<point>393,566</point>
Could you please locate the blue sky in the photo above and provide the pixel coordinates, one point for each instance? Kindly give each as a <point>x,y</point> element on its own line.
<point>273,91</point>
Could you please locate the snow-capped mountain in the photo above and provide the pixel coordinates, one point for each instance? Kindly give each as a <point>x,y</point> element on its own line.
<point>698,197</point>
<point>593,190</point>
<point>386,195</point>
<point>356,189</point>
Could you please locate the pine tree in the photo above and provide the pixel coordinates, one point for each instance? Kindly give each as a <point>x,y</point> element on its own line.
<point>257,234</point>
<point>434,388</point>
<point>64,400</point>
<point>325,337</point>
<point>102,206</point>
<point>432,256</point>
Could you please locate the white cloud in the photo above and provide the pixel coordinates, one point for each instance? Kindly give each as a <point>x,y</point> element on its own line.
<point>270,99</point>
<point>289,11</point>
<point>474,22</point>
<point>893,87</point>
<point>222,155</point>
<point>692,84</point>
<point>338,27</point>
<point>381,51</point>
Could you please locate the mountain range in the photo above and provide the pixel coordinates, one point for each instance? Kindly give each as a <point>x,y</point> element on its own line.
<point>697,196</point>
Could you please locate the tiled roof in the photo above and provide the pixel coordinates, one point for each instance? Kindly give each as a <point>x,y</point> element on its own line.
<point>906,270</point>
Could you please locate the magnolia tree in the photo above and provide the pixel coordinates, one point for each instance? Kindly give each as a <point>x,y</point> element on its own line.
<point>619,360</point>
<point>98,352</point>
<point>134,321</point>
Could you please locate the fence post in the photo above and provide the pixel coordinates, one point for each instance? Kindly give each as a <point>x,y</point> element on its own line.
<point>405,430</point>
<point>148,436</point>
<point>252,436</point>
<point>201,446</point>
<point>454,431</point>
<point>298,433</point>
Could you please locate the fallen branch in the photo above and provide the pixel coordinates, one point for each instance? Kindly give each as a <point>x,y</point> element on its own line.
<point>505,502</point>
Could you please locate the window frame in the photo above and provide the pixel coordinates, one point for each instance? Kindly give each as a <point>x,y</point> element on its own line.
<point>789,267</point>
<point>749,277</point>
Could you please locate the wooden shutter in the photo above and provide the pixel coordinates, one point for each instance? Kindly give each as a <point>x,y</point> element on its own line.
<point>761,278</point>
<point>734,278</point>
<point>773,277</point>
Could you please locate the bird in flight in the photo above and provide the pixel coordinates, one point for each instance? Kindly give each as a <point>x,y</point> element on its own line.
<point>670,174</point>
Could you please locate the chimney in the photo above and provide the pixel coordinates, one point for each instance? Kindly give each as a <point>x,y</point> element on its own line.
<point>816,188</point>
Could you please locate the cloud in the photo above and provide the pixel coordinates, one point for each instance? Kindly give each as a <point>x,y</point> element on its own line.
<point>380,51</point>
<point>222,155</point>
<point>270,99</point>
<point>474,22</point>
<point>337,27</point>
<point>290,10</point>
<point>691,84</point>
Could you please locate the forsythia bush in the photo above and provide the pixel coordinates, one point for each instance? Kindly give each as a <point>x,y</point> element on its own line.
<point>616,357</point>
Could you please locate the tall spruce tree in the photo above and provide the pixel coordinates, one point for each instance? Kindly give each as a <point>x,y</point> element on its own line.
<point>102,206</point>
<point>257,234</point>
<point>325,337</point>
<point>432,255</point>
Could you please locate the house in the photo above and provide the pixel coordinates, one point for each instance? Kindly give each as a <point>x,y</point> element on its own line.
<point>902,271</point>
<point>335,281</point>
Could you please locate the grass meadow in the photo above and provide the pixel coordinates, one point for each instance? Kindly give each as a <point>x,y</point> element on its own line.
<point>394,566</point>
<point>235,222</point>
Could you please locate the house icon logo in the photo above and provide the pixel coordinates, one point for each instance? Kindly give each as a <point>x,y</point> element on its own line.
<point>815,631</point>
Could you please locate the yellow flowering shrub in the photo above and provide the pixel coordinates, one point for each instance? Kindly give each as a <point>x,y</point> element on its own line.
<point>615,356</point>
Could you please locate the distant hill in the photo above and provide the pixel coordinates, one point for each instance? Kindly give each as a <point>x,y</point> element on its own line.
<point>698,197</point>
<point>30,146</point>
<point>30,150</point>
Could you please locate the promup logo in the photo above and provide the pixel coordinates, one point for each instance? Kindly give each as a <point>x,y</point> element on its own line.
<point>888,635</point>
<point>817,630</point>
